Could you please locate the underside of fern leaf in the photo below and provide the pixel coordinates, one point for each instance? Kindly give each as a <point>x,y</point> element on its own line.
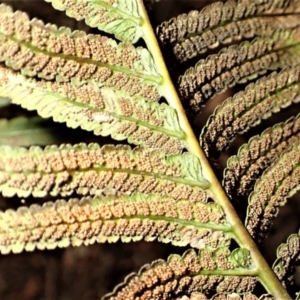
<point>122,18</point>
<point>160,185</point>
<point>236,115</point>
<point>237,64</point>
<point>108,219</point>
<point>100,85</point>
<point>101,110</point>
<point>254,157</point>
<point>90,169</point>
<point>192,34</point>
<point>224,296</point>
<point>50,53</point>
<point>208,271</point>
<point>287,259</point>
<point>279,182</point>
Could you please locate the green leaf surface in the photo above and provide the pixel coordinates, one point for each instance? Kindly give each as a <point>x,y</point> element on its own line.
<point>224,296</point>
<point>288,255</point>
<point>112,218</point>
<point>90,169</point>
<point>209,271</point>
<point>119,17</point>
<point>102,110</point>
<point>58,54</point>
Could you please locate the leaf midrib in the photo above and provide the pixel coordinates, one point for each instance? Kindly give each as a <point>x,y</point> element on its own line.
<point>171,133</point>
<point>193,223</point>
<point>179,180</point>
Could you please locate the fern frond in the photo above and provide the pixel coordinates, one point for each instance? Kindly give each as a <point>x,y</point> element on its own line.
<point>195,33</point>
<point>23,131</point>
<point>224,296</point>
<point>246,109</point>
<point>277,6</point>
<point>279,182</point>
<point>288,255</point>
<point>257,155</point>
<point>118,17</point>
<point>90,169</point>
<point>208,271</point>
<point>61,55</point>
<point>237,64</point>
<point>108,219</point>
<point>101,110</point>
